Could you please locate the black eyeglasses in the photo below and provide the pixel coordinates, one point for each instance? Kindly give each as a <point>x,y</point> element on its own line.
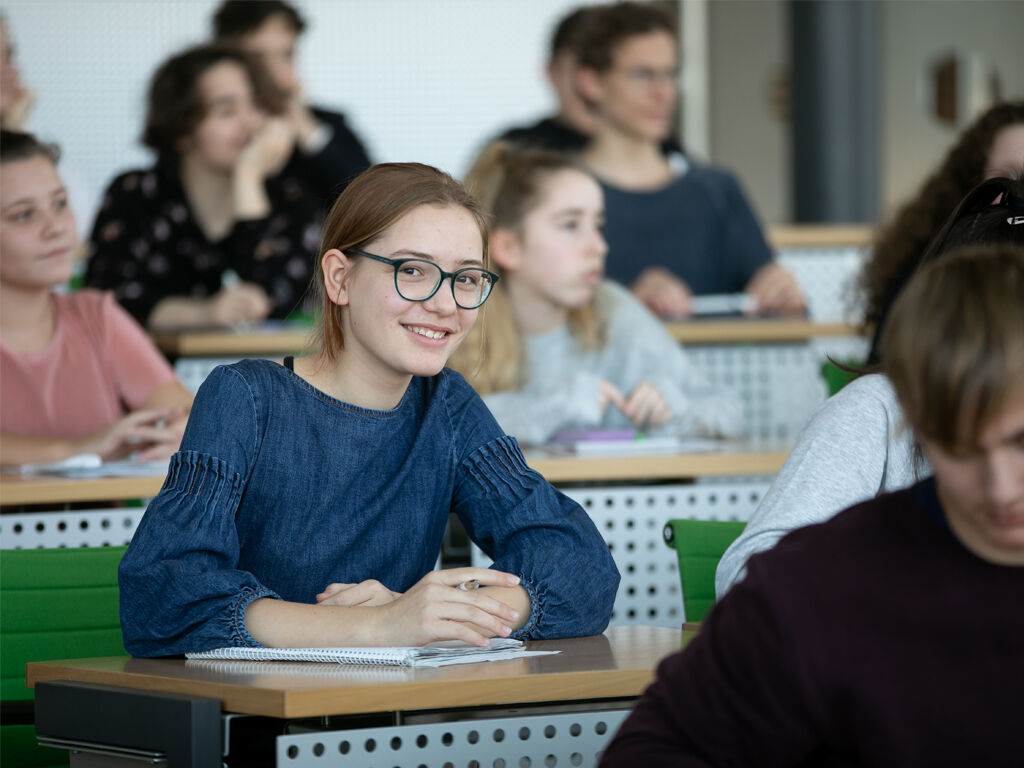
<point>419,279</point>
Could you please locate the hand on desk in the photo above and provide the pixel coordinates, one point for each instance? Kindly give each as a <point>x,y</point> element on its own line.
<point>664,294</point>
<point>239,304</point>
<point>775,290</point>
<point>151,434</point>
<point>369,592</point>
<point>645,406</point>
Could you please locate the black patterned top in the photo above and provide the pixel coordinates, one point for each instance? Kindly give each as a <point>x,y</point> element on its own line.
<point>147,245</point>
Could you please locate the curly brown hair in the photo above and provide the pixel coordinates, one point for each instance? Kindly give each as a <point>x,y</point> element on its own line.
<point>900,244</point>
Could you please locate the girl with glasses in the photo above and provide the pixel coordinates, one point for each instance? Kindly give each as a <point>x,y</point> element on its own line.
<point>308,502</point>
<point>562,348</point>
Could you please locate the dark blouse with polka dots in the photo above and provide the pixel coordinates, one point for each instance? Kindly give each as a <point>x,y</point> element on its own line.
<point>146,244</point>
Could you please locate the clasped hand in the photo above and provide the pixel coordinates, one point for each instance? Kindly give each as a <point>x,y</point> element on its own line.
<point>433,608</point>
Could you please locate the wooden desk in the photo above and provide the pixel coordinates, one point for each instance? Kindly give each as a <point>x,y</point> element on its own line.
<point>755,331</point>
<point>728,331</point>
<point>619,663</point>
<point>570,703</point>
<point>738,460</point>
<point>255,343</point>
<point>819,235</point>
<point>18,490</point>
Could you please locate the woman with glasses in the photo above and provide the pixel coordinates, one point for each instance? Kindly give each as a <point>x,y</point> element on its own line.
<point>562,348</point>
<point>308,502</point>
<point>675,229</point>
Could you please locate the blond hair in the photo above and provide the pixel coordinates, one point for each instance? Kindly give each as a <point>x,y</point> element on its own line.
<point>954,343</point>
<point>508,183</point>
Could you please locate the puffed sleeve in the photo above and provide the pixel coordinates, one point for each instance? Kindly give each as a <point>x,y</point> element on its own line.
<point>528,527</point>
<point>180,587</point>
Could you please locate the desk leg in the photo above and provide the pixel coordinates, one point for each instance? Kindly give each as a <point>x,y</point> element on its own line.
<point>111,724</point>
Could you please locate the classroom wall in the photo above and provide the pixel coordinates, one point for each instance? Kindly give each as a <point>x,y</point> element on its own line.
<point>748,50</point>
<point>915,34</point>
<point>426,81</point>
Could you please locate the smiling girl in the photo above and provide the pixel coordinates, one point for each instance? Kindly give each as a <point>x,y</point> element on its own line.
<point>79,375</point>
<point>562,348</point>
<point>309,500</point>
<point>208,236</point>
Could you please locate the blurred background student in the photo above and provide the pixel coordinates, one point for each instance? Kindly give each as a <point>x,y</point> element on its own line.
<point>848,643</point>
<point>15,97</point>
<point>568,130</point>
<point>79,375</point>
<point>674,229</point>
<point>856,445</point>
<point>992,146</point>
<point>561,348</point>
<point>327,154</point>
<point>209,236</point>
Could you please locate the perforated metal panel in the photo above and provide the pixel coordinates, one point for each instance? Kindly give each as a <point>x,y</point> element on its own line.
<point>70,528</point>
<point>826,276</point>
<point>537,741</point>
<point>631,519</point>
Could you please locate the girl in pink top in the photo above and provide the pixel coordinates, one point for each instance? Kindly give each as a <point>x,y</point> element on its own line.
<point>77,374</point>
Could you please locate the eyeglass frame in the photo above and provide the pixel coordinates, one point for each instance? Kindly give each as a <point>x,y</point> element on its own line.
<point>397,264</point>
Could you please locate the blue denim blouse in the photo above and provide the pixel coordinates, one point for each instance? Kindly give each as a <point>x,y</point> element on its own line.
<point>279,490</point>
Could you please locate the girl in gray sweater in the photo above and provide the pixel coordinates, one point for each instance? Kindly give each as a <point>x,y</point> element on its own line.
<point>562,349</point>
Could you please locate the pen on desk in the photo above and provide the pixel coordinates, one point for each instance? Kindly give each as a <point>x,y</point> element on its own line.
<point>467,586</point>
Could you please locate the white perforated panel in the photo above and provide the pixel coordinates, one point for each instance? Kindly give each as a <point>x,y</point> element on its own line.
<point>631,519</point>
<point>70,528</point>
<point>826,275</point>
<point>532,741</point>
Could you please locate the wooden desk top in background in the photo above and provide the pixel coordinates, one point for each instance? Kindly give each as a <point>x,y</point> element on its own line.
<point>819,235</point>
<point>255,343</point>
<point>755,331</point>
<point>37,489</point>
<point>719,331</point>
<point>738,459</point>
<point>619,663</point>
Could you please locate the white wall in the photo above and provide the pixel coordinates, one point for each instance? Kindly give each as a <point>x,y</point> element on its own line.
<point>426,81</point>
<point>915,34</point>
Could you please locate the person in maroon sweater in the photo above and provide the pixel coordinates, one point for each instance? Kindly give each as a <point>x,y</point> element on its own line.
<point>893,634</point>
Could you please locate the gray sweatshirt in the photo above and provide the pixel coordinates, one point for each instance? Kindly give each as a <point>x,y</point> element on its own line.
<point>562,388</point>
<point>853,448</point>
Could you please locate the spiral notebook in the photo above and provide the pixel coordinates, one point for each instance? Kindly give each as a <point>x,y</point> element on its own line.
<point>432,655</point>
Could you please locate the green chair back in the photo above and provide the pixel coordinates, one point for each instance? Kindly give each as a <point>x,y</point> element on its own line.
<point>699,545</point>
<point>54,604</point>
<point>835,377</point>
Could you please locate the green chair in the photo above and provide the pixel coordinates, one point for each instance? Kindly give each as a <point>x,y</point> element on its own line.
<point>835,377</point>
<point>699,544</point>
<point>54,604</point>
